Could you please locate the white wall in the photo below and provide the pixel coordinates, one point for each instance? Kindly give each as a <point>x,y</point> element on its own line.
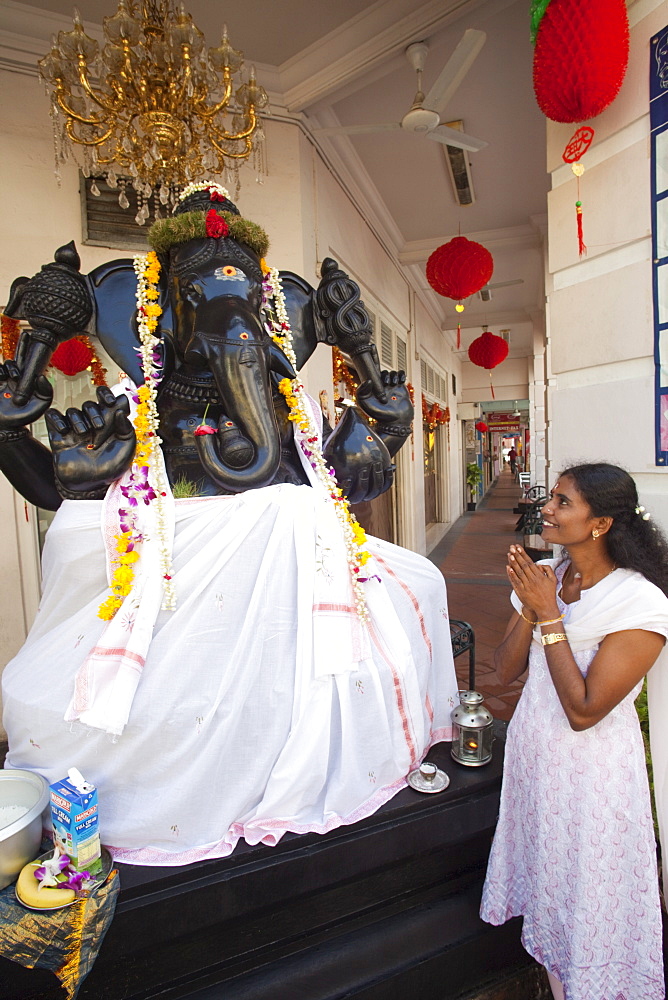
<point>599,314</point>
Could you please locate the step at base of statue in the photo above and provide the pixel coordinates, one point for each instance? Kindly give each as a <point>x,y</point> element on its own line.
<point>385,908</point>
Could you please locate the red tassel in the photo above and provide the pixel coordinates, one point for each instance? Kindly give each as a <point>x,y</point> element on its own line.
<point>459,335</point>
<point>581,243</point>
<point>491,385</point>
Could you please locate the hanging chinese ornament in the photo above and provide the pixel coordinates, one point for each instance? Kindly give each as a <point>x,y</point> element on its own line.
<point>482,427</point>
<point>459,269</point>
<point>487,351</point>
<point>580,59</point>
<point>75,356</point>
<point>433,416</point>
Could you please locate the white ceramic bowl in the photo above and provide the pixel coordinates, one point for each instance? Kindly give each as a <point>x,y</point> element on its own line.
<point>21,838</point>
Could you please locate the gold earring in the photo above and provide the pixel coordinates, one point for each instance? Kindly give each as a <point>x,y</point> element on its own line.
<point>594,534</point>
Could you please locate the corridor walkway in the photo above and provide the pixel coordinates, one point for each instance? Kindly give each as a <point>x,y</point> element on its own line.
<point>472,558</point>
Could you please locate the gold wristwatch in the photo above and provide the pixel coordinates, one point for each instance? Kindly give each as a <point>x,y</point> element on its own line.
<point>551,637</point>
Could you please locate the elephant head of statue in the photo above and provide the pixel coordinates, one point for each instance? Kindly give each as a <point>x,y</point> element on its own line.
<point>223,354</point>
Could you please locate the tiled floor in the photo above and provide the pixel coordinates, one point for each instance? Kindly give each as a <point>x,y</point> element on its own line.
<point>472,558</point>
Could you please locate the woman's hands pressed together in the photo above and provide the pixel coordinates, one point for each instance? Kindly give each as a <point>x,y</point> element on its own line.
<point>535,586</point>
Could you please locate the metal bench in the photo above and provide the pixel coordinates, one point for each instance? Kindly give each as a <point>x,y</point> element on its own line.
<point>462,638</point>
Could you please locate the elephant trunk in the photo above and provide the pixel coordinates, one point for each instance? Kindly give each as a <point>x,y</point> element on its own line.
<point>245,451</point>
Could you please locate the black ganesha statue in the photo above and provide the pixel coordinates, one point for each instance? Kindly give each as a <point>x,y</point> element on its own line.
<point>227,334</point>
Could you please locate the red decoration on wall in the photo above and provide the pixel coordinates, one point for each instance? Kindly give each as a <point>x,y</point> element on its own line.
<point>581,55</point>
<point>72,357</point>
<point>434,415</point>
<point>481,426</point>
<point>488,351</point>
<point>459,268</point>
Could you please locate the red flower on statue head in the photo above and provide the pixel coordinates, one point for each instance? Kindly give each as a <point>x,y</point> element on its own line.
<point>215,224</point>
<point>216,196</point>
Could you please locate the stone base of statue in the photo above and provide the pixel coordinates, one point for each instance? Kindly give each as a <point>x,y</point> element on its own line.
<point>384,909</point>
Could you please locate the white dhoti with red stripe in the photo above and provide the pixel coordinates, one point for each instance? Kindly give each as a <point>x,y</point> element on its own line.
<point>260,705</point>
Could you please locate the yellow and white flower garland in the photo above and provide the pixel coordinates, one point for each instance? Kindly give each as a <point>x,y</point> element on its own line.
<point>146,421</point>
<point>300,413</point>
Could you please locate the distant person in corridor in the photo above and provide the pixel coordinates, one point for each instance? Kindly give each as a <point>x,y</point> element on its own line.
<point>512,458</point>
<point>574,851</point>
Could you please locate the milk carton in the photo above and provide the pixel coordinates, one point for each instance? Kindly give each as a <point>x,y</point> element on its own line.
<point>74,818</point>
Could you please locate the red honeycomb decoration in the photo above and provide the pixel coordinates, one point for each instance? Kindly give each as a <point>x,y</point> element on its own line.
<point>481,426</point>
<point>580,58</point>
<point>487,351</point>
<point>459,268</point>
<point>72,357</point>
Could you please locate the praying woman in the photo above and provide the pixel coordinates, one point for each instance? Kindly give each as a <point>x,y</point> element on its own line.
<point>574,851</point>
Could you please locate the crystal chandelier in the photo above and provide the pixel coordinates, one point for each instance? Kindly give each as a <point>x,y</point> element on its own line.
<point>152,105</point>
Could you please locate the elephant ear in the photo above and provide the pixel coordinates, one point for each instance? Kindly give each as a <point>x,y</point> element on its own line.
<point>114,287</point>
<point>306,325</point>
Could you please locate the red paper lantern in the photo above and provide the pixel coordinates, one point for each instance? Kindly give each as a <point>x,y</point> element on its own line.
<point>72,357</point>
<point>481,426</point>
<point>581,54</point>
<point>459,268</point>
<point>488,350</point>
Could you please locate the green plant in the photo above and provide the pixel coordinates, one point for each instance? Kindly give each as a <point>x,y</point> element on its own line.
<point>184,488</point>
<point>473,478</point>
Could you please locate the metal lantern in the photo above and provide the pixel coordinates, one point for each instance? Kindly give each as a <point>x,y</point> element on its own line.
<point>473,730</point>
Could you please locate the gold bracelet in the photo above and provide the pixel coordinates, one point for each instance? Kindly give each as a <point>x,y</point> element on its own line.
<point>551,637</point>
<point>527,619</point>
<point>553,621</point>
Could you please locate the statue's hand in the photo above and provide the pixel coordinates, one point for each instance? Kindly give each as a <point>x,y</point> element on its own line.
<point>359,458</point>
<point>12,415</point>
<point>58,304</point>
<point>94,445</point>
<point>397,407</point>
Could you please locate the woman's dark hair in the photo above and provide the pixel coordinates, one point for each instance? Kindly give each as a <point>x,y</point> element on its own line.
<point>632,541</point>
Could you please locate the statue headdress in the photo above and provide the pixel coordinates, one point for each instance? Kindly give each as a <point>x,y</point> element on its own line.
<point>205,210</point>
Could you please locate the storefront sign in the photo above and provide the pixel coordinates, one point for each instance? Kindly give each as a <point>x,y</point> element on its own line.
<point>506,423</point>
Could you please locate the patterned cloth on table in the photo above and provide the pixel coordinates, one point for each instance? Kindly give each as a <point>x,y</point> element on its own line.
<point>574,850</point>
<point>66,941</point>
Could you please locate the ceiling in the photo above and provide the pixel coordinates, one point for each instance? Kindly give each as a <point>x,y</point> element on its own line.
<point>344,63</point>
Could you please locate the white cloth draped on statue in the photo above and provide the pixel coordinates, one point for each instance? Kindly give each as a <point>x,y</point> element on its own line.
<point>262,706</point>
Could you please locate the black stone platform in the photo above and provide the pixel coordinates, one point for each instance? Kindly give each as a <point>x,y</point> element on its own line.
<point>382,910</point>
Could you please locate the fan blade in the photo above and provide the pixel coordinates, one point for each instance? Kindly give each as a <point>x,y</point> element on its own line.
<point>453,137</point>
<point>356,129</point>
<point>505,284</point>
<point>455,70</point>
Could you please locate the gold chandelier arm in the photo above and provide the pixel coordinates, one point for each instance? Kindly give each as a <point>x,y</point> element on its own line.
<point>248,145</point>
<point>223,136</point>
<point>69,128</point>
<point>83,80</point>
<point>72,115</point>
<point>222,104</point>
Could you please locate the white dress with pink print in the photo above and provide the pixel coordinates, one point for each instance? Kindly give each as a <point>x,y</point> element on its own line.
<point>574,850</point>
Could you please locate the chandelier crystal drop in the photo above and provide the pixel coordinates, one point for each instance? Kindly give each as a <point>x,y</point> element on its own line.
<point>152,104</point>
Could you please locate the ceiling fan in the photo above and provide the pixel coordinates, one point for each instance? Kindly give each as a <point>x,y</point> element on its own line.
<point>485,292</point>
<point>427,110</point>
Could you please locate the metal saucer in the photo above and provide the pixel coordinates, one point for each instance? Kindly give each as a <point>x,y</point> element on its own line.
<point>100,877</point>
<point>428,778</point>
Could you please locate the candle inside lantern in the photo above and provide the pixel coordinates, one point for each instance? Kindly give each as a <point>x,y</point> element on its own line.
<point>473,730</point>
